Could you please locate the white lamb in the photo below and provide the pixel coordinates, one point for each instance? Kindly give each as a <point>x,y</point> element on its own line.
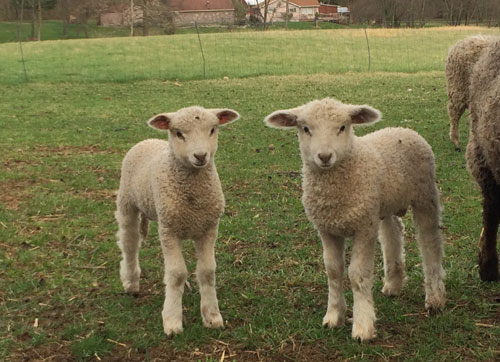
<point>175,183</point>
<point>359,187</point>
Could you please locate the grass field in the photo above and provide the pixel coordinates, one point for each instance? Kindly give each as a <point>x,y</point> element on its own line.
<point>233,55</point>
<point>52,30</point>
<point>63,138</point>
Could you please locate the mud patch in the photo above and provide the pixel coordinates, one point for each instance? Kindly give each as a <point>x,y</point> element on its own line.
<point>65,150</point>
<point>15,192</point>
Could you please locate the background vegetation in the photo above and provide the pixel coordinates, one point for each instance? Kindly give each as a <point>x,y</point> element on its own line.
<point>65,132</point>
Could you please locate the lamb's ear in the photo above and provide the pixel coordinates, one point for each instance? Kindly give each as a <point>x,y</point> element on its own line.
<point>226,115</point>
<point>160,121</point>
<point>281,119</point>
<point>364,114</point>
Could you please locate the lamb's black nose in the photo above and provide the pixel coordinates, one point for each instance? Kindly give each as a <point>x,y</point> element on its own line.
<point>325,157</point>
<point>201,157</point>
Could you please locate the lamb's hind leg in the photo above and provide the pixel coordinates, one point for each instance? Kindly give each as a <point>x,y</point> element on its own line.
<point>456,107</point>
<point>205,274</point>
<point>488,256</point>
<point>391,238</point>
<point>429,238</point>
<point>129,243</point>
<point>333,256</point>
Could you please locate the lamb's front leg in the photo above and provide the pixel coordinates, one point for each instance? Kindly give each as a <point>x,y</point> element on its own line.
<point>175,278</point>
<point>333,256</point>
<point>205,273</point>
<point>361,277</point>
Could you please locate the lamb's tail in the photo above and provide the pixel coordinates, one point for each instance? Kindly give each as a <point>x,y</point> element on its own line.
<point>143,227</point>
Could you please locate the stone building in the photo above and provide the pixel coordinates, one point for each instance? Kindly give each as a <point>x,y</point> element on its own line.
<point>203,12</point>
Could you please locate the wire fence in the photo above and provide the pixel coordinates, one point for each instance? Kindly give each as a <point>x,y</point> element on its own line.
<point>231,54</point>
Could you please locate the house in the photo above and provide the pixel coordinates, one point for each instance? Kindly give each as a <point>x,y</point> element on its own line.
<point>332,12</point>
<point>203,12</point>
<point>119,15</point>
<point>298,10</point>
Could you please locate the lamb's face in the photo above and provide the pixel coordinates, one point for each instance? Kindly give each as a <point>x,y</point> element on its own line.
<point>193,137</point>
<point>325,129</point>
<point>324,140</point>
<point>193,133</point>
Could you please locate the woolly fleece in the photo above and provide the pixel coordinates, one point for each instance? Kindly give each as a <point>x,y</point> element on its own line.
<point>359,187</point>
<point>459,66</point>
<point>483,151</point>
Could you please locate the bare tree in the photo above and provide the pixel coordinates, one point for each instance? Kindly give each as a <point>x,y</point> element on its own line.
<point>65,17</point>
<point>132,12</point>
<point>39,25</point>
<point>266,13</point>
<point>286,15</point>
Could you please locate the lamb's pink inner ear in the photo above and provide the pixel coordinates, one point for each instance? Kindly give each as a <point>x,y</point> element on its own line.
<point>226,116</point>
<point>364,115</point>
<point>283,120</point>
<point>160,122</point>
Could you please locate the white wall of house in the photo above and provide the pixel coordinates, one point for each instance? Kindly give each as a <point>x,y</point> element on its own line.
<point>277,11</point>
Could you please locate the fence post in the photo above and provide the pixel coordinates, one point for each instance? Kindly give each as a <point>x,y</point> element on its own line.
<point>201,49</point>
<point>20,40</point>
<point>368,47</point>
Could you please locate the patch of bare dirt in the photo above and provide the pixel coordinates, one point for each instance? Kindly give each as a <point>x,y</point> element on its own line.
<point>289,350</point>
<point>65,150</point>
<point>95,194</point>
<point>15,192</point>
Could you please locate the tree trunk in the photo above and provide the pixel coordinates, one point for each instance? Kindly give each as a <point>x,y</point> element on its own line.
<point>39,35</point>
<point>131,17</point>
<point>145,21</point>
<point>286,15</point>
<point>65,11</point>
<point>33,19</point>
<point>266,9</point>
<point>422,14</point>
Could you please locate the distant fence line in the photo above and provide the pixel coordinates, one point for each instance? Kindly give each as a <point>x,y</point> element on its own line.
<point>235,55</point>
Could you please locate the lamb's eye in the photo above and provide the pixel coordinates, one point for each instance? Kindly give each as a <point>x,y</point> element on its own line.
<point>179,135</point>
<point>341,129</point>
<point>212,131</point>
<point>306,130</point>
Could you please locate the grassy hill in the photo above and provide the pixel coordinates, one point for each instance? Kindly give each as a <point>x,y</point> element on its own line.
<point>233,55</point>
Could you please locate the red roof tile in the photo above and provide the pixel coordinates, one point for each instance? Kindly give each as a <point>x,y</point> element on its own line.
<point>190,5</point>
<point>305,2</point>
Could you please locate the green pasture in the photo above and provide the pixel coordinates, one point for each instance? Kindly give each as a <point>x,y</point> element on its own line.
<point>53,30</point>
<point>66,130</point>
<point>233,55</point>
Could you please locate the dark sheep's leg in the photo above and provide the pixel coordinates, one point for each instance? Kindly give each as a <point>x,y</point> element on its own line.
<point>488,256</point>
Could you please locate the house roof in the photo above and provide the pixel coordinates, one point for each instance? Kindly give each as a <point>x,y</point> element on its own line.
<point>305,2</point>
<point>200,5</point>
<point>299,3</point>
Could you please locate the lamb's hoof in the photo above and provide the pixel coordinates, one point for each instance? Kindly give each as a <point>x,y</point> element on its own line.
<point>132,294</point>
<point>131,288</point>
<point>172,327</point>
<point>488,269</point>
<point>332,320</point>
<point>489,275</point>
<point>363,333</point>
<point>392,289</point>
<point>432,312</point>
<point>434,305</point>
<point>212,319</point>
